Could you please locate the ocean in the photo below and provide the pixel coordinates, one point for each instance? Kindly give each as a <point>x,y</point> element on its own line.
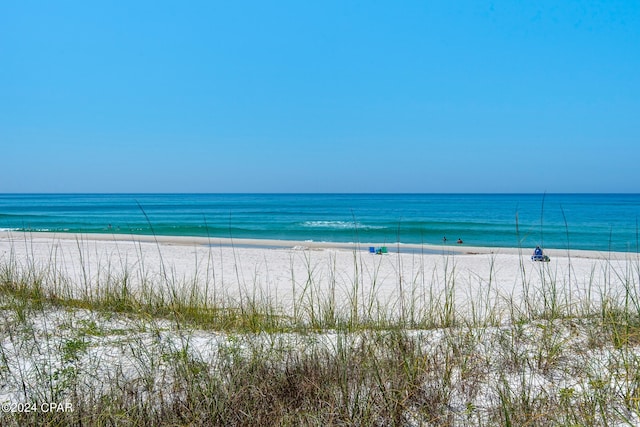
<point>604,222</point>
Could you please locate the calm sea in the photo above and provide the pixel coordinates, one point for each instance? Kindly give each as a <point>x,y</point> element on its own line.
<point>576,221</point>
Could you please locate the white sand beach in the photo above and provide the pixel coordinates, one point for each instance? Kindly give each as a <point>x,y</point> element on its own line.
<point>281,273</point>
<point>490,332</point>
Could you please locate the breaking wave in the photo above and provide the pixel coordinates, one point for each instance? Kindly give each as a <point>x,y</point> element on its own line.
<point>341,225</point>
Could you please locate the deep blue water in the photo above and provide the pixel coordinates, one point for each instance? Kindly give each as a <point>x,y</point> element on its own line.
<point>577,221</point>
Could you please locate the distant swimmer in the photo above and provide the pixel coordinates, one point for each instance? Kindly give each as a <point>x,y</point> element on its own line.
<point>459,241</point>
<point>444,239</point>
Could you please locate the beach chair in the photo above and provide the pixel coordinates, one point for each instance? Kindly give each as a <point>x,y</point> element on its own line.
<point>383,250</point>
<point>540,257</point>
<point>372,250</point>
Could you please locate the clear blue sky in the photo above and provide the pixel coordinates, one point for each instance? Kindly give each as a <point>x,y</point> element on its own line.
<point>323,96</point>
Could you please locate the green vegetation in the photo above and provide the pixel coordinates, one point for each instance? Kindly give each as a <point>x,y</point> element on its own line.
<point>168,352</point>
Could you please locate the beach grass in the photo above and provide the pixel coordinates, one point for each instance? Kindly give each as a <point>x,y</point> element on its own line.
<point>122,343</point>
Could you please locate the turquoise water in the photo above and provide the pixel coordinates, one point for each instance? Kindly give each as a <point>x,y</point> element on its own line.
<point>577,221</point>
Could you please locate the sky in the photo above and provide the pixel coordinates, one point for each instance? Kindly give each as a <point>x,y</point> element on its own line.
<point>326,96</point>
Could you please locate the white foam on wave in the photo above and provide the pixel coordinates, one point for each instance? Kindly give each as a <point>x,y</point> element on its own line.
<point>26,230</point>
<point>328,224</point>
<point>341,225</point>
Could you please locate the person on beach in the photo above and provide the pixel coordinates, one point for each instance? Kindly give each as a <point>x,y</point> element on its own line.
<point>538,255</point>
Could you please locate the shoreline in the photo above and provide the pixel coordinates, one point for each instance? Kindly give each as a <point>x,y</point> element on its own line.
<point>394,248</point>
<point>94,315</point>
<point>282,274</point>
